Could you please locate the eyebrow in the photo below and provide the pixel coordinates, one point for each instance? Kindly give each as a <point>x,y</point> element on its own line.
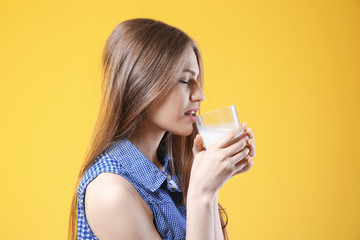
<point>190,71</point>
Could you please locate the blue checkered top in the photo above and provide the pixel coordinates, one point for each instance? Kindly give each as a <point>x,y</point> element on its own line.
<point>158,189</point>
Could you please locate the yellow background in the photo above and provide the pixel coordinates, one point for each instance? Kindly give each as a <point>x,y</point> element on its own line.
<point>292,68</point>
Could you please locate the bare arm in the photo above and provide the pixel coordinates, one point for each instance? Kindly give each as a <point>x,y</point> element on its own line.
<point>200,217</point>
<point>203,218</point>
<point>218,229</point>
<point>115,210</point>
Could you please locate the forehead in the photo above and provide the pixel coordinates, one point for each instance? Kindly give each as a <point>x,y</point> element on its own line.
<point>191,61</point>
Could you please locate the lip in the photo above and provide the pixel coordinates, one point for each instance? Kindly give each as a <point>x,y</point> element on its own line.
<point>192,110</point>
<point>192,118</point>
<point>191,114</point>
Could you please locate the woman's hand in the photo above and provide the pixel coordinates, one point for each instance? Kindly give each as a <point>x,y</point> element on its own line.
<point>225,158</point>
<point>248,161</point>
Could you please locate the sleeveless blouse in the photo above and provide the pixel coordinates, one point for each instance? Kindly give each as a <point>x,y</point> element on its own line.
<point>158,189</point>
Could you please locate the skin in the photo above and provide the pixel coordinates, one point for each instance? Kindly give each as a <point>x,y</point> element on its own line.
<point>110,200</point>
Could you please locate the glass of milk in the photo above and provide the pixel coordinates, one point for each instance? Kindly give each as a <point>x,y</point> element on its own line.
<point>215,124</point>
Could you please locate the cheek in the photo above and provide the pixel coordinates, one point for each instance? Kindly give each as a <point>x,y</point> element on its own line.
<point>170,114</point>
<point>176,102</point>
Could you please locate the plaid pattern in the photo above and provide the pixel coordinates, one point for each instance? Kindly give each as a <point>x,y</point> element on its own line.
<point>158,189</point>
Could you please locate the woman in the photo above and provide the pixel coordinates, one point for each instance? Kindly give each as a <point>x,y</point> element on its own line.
<point>146,174</point>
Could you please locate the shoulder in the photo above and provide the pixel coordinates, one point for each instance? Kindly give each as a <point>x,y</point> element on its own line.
<point>115,210</point>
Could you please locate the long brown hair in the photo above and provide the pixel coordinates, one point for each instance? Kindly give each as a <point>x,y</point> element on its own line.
<point>142,61</point>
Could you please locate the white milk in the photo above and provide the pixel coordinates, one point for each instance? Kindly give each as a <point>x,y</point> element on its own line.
<point>211,134</point>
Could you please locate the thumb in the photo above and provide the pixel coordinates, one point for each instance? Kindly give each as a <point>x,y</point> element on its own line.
<point>198,144</point>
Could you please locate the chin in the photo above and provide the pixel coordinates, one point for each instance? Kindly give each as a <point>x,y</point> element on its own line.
<point>187,133</point>
<point>184,132</point>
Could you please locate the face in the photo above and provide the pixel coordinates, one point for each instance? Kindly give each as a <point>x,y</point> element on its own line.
<point>176,114</point>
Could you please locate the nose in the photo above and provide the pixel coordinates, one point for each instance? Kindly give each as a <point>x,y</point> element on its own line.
<point>197,94</point>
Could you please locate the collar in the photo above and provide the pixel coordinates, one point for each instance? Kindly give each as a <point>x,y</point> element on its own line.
<point>137,165</point>
<point>171,181</point>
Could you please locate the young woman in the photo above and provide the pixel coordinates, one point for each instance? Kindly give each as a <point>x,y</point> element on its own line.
<point>146,174</point>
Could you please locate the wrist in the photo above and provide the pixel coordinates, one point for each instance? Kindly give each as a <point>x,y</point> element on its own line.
<point>204,197</point>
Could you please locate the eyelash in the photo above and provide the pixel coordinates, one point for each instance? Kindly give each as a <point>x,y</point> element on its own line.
<point>185,82</point>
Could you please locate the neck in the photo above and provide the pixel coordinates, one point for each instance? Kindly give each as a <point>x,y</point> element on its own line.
<point>147,139</point>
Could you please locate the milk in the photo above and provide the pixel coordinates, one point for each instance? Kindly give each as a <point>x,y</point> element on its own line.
<point>211,134</point>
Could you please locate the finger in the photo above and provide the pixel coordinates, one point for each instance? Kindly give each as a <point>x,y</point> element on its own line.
<point>228,138</point>
<point>236,147</point>
<point>247,167</point>
<point>200,143</point>
<point>251,146</point>
<point>194,149</point>
<point>250,132</point>
<point>197,146</point>
<point>239,156</point>
<point>240,136</point>
<point>240,165</point>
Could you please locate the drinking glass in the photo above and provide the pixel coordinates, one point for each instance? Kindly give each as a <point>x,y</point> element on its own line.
<point>215,124</point>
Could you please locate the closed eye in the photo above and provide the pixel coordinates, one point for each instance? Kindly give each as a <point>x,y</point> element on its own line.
<point>185,82</point>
